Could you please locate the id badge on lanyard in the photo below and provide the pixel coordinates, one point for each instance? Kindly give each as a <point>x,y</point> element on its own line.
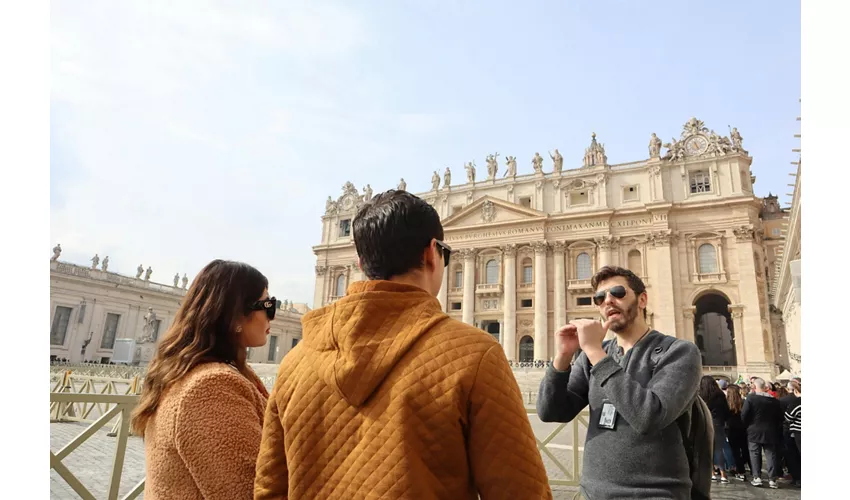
<point>608,417</point>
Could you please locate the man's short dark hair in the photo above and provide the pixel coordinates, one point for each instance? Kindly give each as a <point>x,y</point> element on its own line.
<point>608,272</point>
<point>391,231</point>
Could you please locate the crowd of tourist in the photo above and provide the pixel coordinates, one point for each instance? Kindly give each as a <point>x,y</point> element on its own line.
<point>752,421</point>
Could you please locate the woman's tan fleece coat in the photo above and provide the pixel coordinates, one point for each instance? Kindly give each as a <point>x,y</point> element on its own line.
<point>203,441</point>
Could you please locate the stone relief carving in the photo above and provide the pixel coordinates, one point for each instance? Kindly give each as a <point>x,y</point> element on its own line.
<point>470,172</point>
<point>447,178</point>
<point>139,271</point>
<point>105,264</point>
<point>509,250</point>
<point>469,197</point>
<point>559,246</point>
<point>488,211</point>
<point>95,261</point>
<point>492,166</point>
<point>654,146</point>
<point>57,251</point>
<point>556,183</point>
<point>525,323</point>
<point>537,163</point>
<point>538,184</point>
<point>511,163</point>
<point>557,160</point>
<point>595,154</point>
<point>435,181</point>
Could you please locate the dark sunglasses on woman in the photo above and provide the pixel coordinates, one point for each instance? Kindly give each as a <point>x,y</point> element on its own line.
<point>269,305</point>
<point>618,291</point>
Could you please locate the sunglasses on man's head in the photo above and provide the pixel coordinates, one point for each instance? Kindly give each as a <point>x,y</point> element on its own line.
<point>447,251</point>
<point>269,305</point>
<point>618,291</point>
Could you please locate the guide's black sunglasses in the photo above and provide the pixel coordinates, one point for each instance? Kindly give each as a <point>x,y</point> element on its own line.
<point>618,291</point>
<point>269,305</point>
<point>447,251</point>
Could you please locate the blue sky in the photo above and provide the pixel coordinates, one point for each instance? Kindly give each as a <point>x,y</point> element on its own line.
<point>182,133</point>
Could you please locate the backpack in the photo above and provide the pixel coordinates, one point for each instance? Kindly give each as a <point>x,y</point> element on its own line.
<point>697,435</point>
<point>697,430</point>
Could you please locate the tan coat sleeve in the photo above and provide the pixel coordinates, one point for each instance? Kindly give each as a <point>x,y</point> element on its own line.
<point>503,454</point>
<point>217,435</point>
<point>272,480</point>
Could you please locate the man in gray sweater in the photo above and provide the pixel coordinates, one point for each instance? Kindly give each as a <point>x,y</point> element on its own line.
<point>635,388</point>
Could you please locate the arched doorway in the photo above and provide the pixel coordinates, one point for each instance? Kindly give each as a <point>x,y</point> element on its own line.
<point>526,349</point>
<point>714,331</point>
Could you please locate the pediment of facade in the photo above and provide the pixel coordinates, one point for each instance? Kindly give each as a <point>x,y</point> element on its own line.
<point>490,210</point>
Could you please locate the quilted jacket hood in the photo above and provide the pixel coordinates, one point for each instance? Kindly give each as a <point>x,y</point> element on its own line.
<point>356,341</point>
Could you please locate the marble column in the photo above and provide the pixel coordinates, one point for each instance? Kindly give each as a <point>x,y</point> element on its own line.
<point>558,248</point>
<point>737,311</point>
<point>319,292</point>
<point>688,314</point>
<point>509,302</point>
<point>541,327</point>
<point>468,305</point>
<point>757,348</point>
<point>443,296</point>
<point>665,310</point>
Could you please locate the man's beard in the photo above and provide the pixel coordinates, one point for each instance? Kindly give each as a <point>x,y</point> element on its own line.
<point>626,318</point>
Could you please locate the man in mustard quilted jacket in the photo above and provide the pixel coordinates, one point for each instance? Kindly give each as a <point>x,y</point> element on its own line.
<point>636,387</point>
<point>388,397</point>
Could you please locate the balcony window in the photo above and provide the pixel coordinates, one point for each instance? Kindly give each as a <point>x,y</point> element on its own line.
<point>584,266</point>
<point>707,259</point>
<point>492,268</point>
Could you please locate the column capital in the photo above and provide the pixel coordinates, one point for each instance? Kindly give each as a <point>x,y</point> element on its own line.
<point>744,233</point>
<point>607,242</point>
<point>509,250</point>
<point>662,238</point>
<point>737,310</point>
<point>559,246</point>
<point>689,312</point>
<point>320,270</point>
<point>540,247</point>
<point>467,253</point>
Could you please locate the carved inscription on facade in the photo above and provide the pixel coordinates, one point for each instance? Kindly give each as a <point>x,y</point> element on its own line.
<point>497,233</point>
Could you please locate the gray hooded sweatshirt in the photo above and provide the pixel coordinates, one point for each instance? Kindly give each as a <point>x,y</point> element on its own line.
<point>643,456</point>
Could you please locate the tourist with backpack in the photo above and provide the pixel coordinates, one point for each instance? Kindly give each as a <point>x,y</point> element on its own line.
<point>649,434</point>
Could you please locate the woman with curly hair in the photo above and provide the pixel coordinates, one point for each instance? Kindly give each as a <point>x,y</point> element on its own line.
<point>201,409</point>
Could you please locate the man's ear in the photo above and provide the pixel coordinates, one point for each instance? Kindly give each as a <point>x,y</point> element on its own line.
<point>429,258</point>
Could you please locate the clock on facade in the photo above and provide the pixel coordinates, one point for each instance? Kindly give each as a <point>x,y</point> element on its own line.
<point>696,145</point>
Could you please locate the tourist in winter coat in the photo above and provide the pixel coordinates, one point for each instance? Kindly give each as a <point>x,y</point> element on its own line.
<point>201,409</point>
<point>711,393</point>
<point>736,432</point>
<point>762,415</point>
<point>792,410</point>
